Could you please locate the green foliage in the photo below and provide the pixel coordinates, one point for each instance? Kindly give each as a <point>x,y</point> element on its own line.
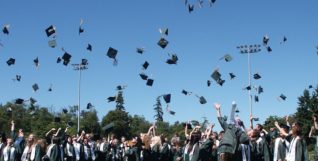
<point>121,120</point>
<point>158,110</point>
<point>120,101</point>
<point>139,125</point>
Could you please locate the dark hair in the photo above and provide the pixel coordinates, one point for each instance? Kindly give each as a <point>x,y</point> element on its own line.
<point>55,140</point>
<point>296,128</point>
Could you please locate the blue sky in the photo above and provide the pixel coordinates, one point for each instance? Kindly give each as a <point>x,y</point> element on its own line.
<point>199,39</point>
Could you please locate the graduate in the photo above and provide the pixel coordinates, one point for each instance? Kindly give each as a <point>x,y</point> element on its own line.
<point>2,143</point>
<point>176,149</point>
<point>78,148</point>
<point>132,152</point>
<point>31,151</point>
<point>69,150</point>
<point>311,135</point>
<point>54,151</point>
<point>103,149</point>
<point>281,146</point>
<point>18,139</point>
<point>89,154</point>
<point>9,152</point>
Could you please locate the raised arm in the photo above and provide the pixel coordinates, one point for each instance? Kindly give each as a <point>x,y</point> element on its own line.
<point>251,122</point>
<point>49,132</point>
<point>287,121</point>
<point>315,122</point>
<point>217,106</point>
<point>281,130</point>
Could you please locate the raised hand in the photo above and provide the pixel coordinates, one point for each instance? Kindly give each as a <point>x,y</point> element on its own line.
<point>217,106</point>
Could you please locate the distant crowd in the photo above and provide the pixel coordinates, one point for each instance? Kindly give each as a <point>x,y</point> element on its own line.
<point>234,143</point>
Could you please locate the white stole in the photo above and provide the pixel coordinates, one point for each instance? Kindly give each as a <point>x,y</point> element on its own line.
<point>86,150</point>
<point>101,147</point>
<point>69,153</point>
<point>5,153</point>
<point>291,155</point>
<point>77,148</point>
<point>49,149</point>
<point>25,153</point>
<point>244,157</point>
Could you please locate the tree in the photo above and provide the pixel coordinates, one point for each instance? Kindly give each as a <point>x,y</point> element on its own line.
<point>121,122</point>
<point>120,101</point>
<point>139,125</point>
<point>89,122</point>
<point>158,110</point>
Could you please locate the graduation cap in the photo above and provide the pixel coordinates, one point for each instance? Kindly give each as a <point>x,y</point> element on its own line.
<point>284,40</point>
<point>65,110</point>
<point>269,49</point>
<point>248,88</point>
<point>149,82</point>
<point>173,60</point>
<point>5,29</point>
<point>143,76</point>
<point>211,2</point>
<point>140,50</point>
<point>32,101</point>
<point>111,99</point>
<point>172,112</point>
<point>189,126</point>
<point>11,61</point>
<point>260,90</point>
<point>217,77</point>
<point>35,87</point>
<point>310,86</point>
<point>84,62</point>
<point>167,98</point>
<point>202,100</point>
<point>145,65</point>
<point>283,97</point>
<point>227,57</point>
<point>163,43</point>
<point>220,82</point>
<point>208,82</point>
<point>121,87</point>
<point>57,119</point>
<point>19,101</point>
<point>255,118</point>
<point>163,31</point>
<point>112,53</point>
<point>257,76</point>
<point>52,43</point>
<point>36,62</point>
<point>81,30</point>
<point>58,60</point>
<point>18,77</point>
<point>232,76</point>
<point>265,40</point>
<point>89,106</point>
<point>50,31</point>
<point>89,47</point>
<point>185,92</point>
<point>50,88</point>
<point>256,98</point>
<point>190,7</point>
<point>66,58</point>
<point>108,127</point>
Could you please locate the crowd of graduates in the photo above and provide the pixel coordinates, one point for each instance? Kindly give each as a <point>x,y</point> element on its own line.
<point>234,143</point>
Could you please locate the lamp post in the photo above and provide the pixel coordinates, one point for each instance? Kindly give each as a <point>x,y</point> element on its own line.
<point>248,49</point>
<point>82,66</point>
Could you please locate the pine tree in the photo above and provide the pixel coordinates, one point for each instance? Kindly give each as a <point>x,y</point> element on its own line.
<point>120,101</point>
<point>158,110</point>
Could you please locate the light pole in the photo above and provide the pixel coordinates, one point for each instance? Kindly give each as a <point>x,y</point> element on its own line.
<point>79,67</point>
<point>248,49</point>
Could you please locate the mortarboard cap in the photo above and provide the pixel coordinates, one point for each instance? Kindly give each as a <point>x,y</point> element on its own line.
<point>140,50</point>
<point>89,47</point>
<point>173,60</point>
<point>57,119</point>
<point>163,31</point>
<point>11,61</point>
<point>269,49</point>
<point>202,100</point>
<point>172,112</point>
<point>216,75</point>
<point>65,110</point>
<point>248,88</point>
<point>284,39</point>
<point>19,101</point>
<point>232,76</point>
<point>50,31</point>
<point>187,125</point>
<point>32,101</point>
<point>167,98</point>
<point>163,43</point>
<point>211,2</point>
<point>84,62</point>
<point>256,119</point>
<point>227,57</point>
<point>36,62</point>
<point>283,97</point>
<point>50,88</point>
<point>265,40</point>
<point>80,30</point>
<point>58,60</point>
<point>256,98</point>
<point>145,65</point>
<point>208,82</point>
<point>190,8</point>
<point>220,82</point>
<point>257,76</point>
<point>112,53</point>
<point>185,92</point>
<point>5,29</point>
<point>89,106</point>
<point>149,82</point>
<point>108,127</point>
<point>260,90</point>
<point>52,43</point>
<point>66,58</point>
<point>111,99</point>
<point>18,77</point>
<point>310,86</point>
<point>35,87</point>
<point>143,76</point>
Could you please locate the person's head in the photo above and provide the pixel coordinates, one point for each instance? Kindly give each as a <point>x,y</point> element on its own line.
<point>195,137</point>
<point>175,141</point>
<point>123,139</point>
<point>9,141</point>
<point>155,141</point>
<point>221,134</point>
<point>20,133</point>
<point>259,127</point>
<point>31,139</point>
<point>74,139</point>
<point>85,141</point>
<point>146,140</point>
<point>42,144</point>
<point>255,134</point>
<point>55,140</point>
<point>115,142</point>
<point>69,139</point>
<point>112,136</point>
<point>88,136</point>
<point>214,136</point>
<point>296,129</point>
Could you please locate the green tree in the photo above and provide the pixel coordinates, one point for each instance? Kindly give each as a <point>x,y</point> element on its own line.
<point>139,125</point>
<point>89,122</point>
<point>121,120</point>
<point>120,101</point>
<point>158,110</point>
